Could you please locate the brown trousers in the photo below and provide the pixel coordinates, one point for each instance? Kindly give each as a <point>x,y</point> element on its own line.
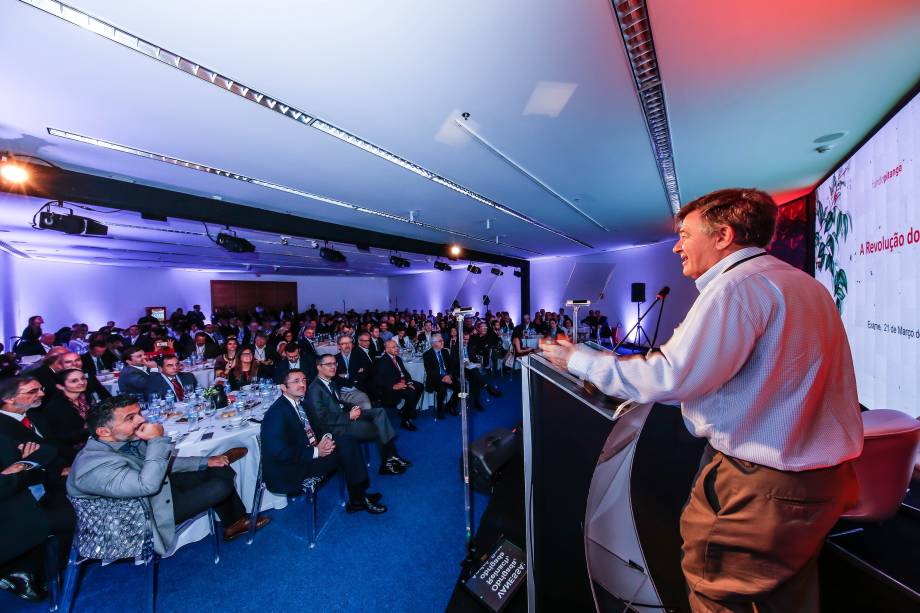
<point>752,534</point>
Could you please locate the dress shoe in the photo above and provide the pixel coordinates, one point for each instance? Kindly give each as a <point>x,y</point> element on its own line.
<point>408,425</point>
<point>235,453</point>
<point>353,506</point>
<point>25,585</point>
<point>494,391</point>
<point>402,462</point>
<point>391,468</point>
<point>373,496</point>
<point>242,525</point>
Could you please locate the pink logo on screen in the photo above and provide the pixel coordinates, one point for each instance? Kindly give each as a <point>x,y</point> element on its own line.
<point>888,176</point>
<point>832,225</point>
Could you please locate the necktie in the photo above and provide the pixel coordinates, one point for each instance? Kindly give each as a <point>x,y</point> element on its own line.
<point>332,391</point>
<point>180,393</point>
<point>308,430</point>
<point>440,362</point>
<point>345,358</point>
<point>398,369</point>
<point>27,423</point>
<point>99,364</point>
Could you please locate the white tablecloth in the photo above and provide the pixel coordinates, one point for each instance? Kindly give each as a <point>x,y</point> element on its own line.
<point>204,375</point>
<point>246,468</point>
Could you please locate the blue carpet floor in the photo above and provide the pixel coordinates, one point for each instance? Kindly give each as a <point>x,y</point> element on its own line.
<point>406,560</point>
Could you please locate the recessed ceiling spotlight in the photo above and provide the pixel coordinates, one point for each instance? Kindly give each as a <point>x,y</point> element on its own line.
<point>455,251</point>
<point>829,137</point>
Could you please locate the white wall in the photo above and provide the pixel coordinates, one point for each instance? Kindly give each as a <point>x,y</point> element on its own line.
<point>436,290</point>
<point>554,280</point>
<point>64,293</point>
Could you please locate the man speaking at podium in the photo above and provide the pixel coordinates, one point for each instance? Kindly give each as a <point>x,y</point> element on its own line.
<point>762,369</point>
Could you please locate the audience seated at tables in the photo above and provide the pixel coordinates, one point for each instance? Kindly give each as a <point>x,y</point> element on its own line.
<point>133,377</point>
<point>394,383</point>
<point>62,419</point>
<point>126,457</point>
<point>353,373</point>
<point>339,417</point>
<point>59,360</point>
<point>438,377</point>
<point>245,371</point>
<point>169,379</point>
<point>295,447</point>
<point>404,342</point>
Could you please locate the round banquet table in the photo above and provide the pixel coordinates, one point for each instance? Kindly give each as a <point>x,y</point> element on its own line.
<point>204,375</point>
<point>246,468</point>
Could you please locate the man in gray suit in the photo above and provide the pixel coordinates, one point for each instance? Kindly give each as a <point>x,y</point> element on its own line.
<point>169,379</point>
<point>340,417</point>
<point>133,377</point>
<point>126,457</point>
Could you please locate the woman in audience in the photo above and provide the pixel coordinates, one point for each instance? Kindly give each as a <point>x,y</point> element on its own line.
<point>517,341</point>
<point>245,371</point>
<point>64,417</point>
<point>225,363</point>
<point>286,337</point>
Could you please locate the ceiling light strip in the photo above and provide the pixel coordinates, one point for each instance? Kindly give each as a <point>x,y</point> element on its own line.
<point>549,190</point>
<point>86,21</point>
<point>268,184</point>
<point>636,30</point>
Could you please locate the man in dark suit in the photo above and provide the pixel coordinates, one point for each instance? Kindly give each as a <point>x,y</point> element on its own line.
<point>366,351</point>
<point>394,383</point>
<point>476,380</point>
<point>377,346</point>
<point>195,316</point>
<point>202,348</point>
<point>294,447</point>
<point>20,398</point>
<point>133,377</point>
<point>339,417</point>
<point>169,379</point>
<point>308,348</point>
<point>293,360</point>
<point>96,359</point>
<point>352,374</point>
<point>438,377</point>
<point>27,522</point>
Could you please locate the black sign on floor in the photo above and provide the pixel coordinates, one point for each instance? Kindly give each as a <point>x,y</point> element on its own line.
<point>500,576</point>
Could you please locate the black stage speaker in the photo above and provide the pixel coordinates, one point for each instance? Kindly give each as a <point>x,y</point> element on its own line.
<point>489,454</point>
<point>638,292</point>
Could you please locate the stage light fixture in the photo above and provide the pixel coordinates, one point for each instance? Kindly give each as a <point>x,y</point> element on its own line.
<point>399,262</point>
<point>234,244</point>
<point>498,272</point>
<point>455,251</point>
<point>68,223</point>
<point>518,274</point>
<point>443,266</point>
<point>331,255</point>
<point>11,171</point>
<point>474,269</point>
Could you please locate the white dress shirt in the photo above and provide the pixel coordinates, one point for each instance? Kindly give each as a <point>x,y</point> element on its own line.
<point>761,365</point>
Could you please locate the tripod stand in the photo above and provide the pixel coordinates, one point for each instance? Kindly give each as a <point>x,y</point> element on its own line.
<point>640,331</point>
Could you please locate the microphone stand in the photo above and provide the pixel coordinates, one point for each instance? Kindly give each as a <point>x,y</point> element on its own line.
<point>658,322</point>
<point>636,325</point>
<point>461,314</point>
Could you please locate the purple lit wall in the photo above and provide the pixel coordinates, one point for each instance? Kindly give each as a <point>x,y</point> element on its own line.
<point>64,293</point>
<point>436,290</point>
<point>553,280</point>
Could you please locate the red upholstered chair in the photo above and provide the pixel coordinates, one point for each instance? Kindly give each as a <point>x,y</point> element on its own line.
<point>884,470</point>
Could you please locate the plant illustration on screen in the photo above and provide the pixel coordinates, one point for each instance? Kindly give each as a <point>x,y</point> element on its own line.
<point>831,228</point>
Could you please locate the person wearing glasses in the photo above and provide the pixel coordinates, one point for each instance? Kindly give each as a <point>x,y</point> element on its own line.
<point>338,416</point>
<point>295,446</point>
